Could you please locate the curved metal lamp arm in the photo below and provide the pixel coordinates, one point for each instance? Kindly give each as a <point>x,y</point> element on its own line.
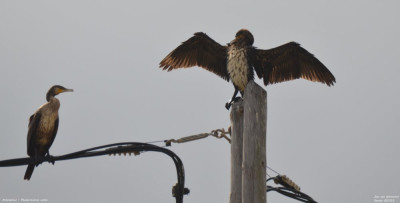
<point>178,190</point>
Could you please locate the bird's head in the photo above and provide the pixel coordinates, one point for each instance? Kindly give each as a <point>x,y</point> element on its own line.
<point>55,90</point>
<point>243,37</point>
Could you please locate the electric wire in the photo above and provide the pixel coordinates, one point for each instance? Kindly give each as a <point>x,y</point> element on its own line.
<point>289,189</point>
<point>178,190</point>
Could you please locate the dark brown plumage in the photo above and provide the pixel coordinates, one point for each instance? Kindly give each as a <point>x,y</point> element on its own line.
<point>42,128</point>
<point>237,60</point>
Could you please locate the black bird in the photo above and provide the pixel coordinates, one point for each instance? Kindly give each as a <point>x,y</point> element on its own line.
<point>42,128</point>
<point>237,60</point>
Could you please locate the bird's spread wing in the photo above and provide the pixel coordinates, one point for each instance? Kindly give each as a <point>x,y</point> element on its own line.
<point>199,50</point>
<point>287,62</point>
<point>32,128</point>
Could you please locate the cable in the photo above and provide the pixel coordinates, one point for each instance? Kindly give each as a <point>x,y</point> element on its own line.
<point>273,170</point>
<point>289,189</point>
<point>178,190</point>
<point>292,193</point>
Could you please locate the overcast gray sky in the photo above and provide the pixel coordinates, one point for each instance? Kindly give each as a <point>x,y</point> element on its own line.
<point>340,143</point>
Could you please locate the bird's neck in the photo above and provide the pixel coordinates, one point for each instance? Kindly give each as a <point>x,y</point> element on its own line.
<point>54,102</point>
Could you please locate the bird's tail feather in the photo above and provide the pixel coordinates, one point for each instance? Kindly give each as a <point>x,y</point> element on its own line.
<point>29,171</point>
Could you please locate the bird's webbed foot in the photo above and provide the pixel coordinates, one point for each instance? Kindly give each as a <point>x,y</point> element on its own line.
<point>38,160</point>
<point>50,158</point>
<point>229,104</point>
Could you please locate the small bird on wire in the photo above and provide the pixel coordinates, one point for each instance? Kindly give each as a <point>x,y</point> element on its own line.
<point>42,128</point>
<point>238,60</point>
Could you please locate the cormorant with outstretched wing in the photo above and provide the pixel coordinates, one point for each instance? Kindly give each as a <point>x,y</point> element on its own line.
<point>238,60</point>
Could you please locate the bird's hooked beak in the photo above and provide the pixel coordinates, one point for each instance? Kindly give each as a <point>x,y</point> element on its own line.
<point>68,90</point>
<point>59,90</point>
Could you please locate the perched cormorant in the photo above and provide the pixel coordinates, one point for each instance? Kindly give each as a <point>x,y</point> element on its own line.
<point>43,126</point>
<point>237,59</point>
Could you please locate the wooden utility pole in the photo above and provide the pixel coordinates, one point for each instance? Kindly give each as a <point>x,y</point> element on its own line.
<point>236,152</point>
<point>249,119</point>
